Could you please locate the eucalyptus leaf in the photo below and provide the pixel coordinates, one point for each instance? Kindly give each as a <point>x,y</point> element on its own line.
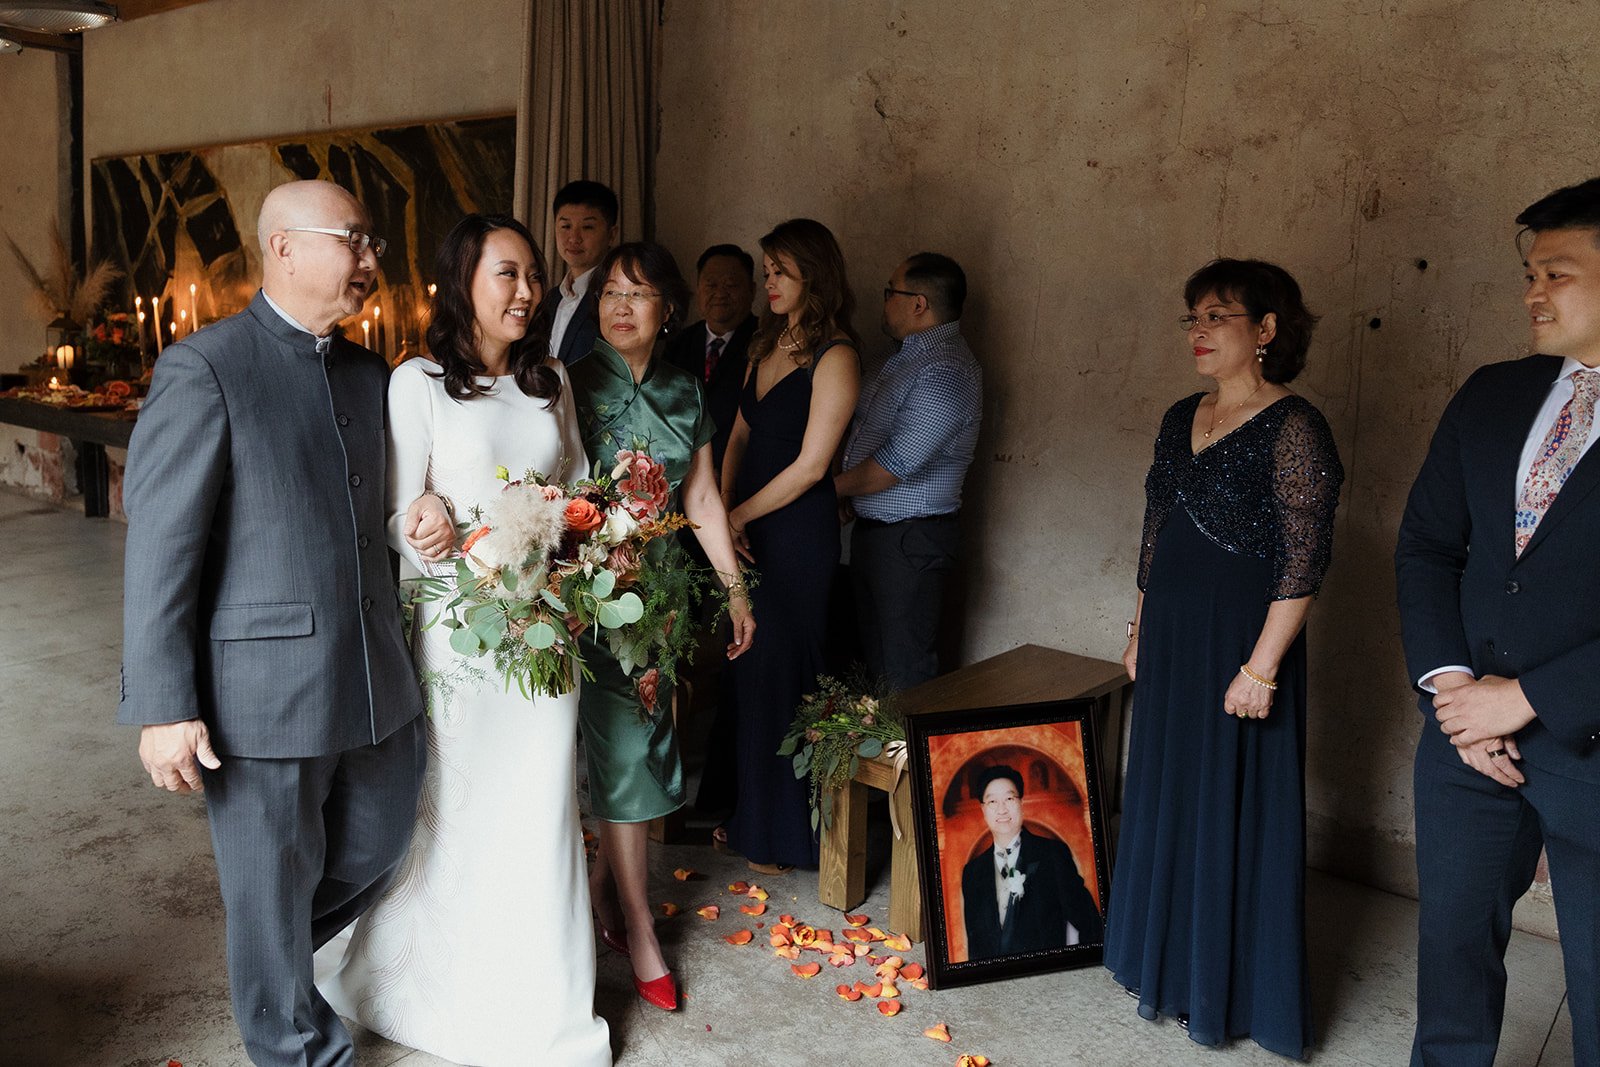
<point>465,642</point>
<point>604,583</point>
<point>509,580</point>
<point>631,606</point>
<point>610,615</point>
<point>554,601</point>
<point>869,748</point>
<point>788,746</point>
<point>464,573</point>
<point>541,635</point>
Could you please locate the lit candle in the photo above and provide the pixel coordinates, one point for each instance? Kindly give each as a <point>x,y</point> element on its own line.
<point>366,332</point>
<point>138,313</point>
<point>183,317</point>
<point>433,290</point>
<point>174,325</point>
<point>53,383</point>
<point>141,334</point>
<point>194,310</point>
<point>155,304</point>
<point>377,323</point>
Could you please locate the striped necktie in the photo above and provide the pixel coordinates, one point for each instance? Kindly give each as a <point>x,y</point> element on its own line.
<point>713,354</point>
<point>1560,452</point>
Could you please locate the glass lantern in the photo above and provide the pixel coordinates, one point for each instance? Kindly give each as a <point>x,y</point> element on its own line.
<point>65,357</point>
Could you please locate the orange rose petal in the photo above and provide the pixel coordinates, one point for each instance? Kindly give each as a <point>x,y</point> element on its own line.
<point>755,892</point>
<point>885,971</point>
<point>973,1061</point>
<point>888,1007</point>
<point>859,936</point>
<point>847,993</point>
<point>787,920</point>
<point>753,909</point>
<point>777,940</point>
<point>899,942</point>
<point>825,935</point>
<point>874,960</point>
<point>920,983</point>
<point>870,990</point>
<point>806,970</point>
<point>739,887</point>
<point>804,935</point>
<point>684,874</point>
<point>842,959</point>
<point>669,909</point>
<point>743,937</point>
<point>876,934</point>
<point>709,912</point>
<point>787,952</point>
<point>857,920</point>
<point>862,950</point>
<point>911,970</point>
<point>890,991</point>
<point>938,1031</point>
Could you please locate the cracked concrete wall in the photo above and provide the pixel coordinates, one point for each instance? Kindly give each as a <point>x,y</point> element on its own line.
<point>30,186</point>
<point>1080,159</point>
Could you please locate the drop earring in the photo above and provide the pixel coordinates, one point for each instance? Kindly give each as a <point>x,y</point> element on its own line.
<point>1261,353</point>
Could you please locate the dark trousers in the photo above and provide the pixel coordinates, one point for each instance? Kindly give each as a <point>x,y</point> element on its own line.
<point>899,571</point>
<point>303,847</point>
<point>1478,844</point>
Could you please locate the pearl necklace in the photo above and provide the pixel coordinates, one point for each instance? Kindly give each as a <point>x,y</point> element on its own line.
<point>1235,411</point>
<point>791,345</point>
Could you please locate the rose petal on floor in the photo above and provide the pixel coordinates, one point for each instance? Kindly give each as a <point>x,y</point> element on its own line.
<point>870,990</point>
<point>684,874</point>
<point>739,887</point>
<point>847,992</point>
<point>888,1007</point>
<point>743,937</point>
<point>973,1061</point>
<point>938,1031</point>
<point>857,920</point>
<point>753,909</point>
<point>890,990</point>
<point>911,970</point>
<point>899,942</point>
<point>755,892</point>
<point>920,983</point>
<point>787,920</point>
<point>709,912</point>
<point>669,909</point>
<point>806,970</point>
<point>787,952</point>
<point>842,959</point>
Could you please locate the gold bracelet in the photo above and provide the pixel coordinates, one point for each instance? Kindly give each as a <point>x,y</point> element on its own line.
<point>736,589</point>
<point>1265,683</point>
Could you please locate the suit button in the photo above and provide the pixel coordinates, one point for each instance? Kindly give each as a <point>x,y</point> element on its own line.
<point>1513,587</point>
<point>366,603</point>
<point>342,420</point>
<point>355,479</point>
<point>363,541</point>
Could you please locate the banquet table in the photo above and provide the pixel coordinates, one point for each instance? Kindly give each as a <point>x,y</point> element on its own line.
<point>89,431</point>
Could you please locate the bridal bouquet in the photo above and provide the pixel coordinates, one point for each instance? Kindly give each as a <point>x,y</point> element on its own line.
<point>545,561</point>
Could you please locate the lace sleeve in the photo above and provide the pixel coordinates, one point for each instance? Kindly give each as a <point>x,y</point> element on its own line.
<point>1160,488</point>
<point>1306,475</point>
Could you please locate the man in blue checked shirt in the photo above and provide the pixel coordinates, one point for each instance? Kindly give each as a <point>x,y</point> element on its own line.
<point>915,431</point>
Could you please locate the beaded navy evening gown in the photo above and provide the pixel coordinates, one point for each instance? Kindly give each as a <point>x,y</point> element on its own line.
<point>796,551</point>
<point>1207,913</point>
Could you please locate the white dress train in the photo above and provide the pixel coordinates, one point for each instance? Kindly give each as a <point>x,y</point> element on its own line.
<point>481,951</point>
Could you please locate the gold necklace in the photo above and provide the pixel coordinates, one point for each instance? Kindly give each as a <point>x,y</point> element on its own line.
<point>790,345</point>
<point>1235,411</point>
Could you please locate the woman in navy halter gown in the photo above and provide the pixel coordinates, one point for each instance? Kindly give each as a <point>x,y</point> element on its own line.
<point>799,394</point>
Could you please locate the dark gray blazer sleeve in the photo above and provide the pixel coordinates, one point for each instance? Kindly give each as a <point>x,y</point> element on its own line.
<point>1432,552</point>
<point>177,468</point>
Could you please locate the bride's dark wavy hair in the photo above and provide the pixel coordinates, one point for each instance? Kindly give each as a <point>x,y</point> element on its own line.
<point>453,326</point>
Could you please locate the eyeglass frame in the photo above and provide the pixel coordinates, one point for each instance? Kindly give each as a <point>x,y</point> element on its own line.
<point>1210,318</point>
<point>890,290</point>
<point>633,298</point>
<point>379,245</point>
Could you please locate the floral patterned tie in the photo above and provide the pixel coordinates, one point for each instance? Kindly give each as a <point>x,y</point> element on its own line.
<point>1562,448</point>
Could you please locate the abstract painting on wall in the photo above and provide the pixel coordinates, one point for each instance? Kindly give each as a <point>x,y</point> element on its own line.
<point>181,224</point>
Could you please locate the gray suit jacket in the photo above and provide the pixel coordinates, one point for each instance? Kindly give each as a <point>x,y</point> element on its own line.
<point>258,595</point>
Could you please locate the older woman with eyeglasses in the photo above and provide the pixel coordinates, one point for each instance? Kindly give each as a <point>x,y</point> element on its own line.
<point>1206,921</point>
<point>629,398</point>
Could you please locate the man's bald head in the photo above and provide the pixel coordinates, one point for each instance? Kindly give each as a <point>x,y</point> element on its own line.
<point>313,276</point>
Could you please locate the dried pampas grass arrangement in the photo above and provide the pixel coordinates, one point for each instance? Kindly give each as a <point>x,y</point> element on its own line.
<point>59,291</point>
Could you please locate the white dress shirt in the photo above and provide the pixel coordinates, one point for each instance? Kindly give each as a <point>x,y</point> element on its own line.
<point>572,291</point>
<point>1560,393</point>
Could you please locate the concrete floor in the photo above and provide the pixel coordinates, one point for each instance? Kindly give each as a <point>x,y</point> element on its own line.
<point>111,948</point>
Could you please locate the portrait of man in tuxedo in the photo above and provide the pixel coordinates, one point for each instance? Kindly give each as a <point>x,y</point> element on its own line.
<point>1023,893</point>
<point>1497,583</point>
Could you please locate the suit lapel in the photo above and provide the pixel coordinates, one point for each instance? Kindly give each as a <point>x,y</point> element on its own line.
<point>1512,419</point>
<point>1579,484</point>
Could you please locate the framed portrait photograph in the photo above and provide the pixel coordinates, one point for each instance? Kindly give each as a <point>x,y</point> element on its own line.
<point>1011,839</point>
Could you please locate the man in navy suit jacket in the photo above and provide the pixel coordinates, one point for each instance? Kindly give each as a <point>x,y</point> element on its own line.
<point>1499,584</point>
<point>585,215</point>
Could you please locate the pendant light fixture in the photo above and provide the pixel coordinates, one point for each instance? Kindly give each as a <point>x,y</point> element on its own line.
<point>57,16</point>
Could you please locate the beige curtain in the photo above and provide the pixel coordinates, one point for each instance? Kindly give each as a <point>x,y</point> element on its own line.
<point>588,109</point>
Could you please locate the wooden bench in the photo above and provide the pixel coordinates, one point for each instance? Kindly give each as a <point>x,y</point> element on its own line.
<point>1029,674</point>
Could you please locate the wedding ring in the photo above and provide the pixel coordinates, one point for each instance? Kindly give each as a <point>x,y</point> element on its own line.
<point>1496,753</point>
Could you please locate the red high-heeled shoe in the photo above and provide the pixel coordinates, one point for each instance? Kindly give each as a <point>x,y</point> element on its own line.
<point>661,992</point>
<point>616,942</point>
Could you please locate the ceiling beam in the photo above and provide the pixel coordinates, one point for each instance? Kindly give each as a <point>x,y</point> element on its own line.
<point>45,42</point>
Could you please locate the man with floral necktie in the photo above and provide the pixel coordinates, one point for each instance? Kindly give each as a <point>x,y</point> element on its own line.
<point>1024,893</point>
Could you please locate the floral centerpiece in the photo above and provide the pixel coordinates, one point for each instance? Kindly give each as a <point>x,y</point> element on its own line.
<point>544,562</point>
<point>834,729</point>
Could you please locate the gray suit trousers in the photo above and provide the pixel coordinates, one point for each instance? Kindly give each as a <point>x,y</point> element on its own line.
<point>303,847</point>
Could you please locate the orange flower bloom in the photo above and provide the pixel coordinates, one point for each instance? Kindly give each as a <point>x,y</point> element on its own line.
<point>583,516</point>
<point>477,535</point>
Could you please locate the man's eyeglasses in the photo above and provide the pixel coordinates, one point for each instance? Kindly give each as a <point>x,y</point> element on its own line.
<point>636,298</point>
<point>889,291</point>
<point>1212,319</point>
<point>359,242</point>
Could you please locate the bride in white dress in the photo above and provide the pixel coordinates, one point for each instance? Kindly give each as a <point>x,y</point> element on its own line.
<point>481,950</point>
